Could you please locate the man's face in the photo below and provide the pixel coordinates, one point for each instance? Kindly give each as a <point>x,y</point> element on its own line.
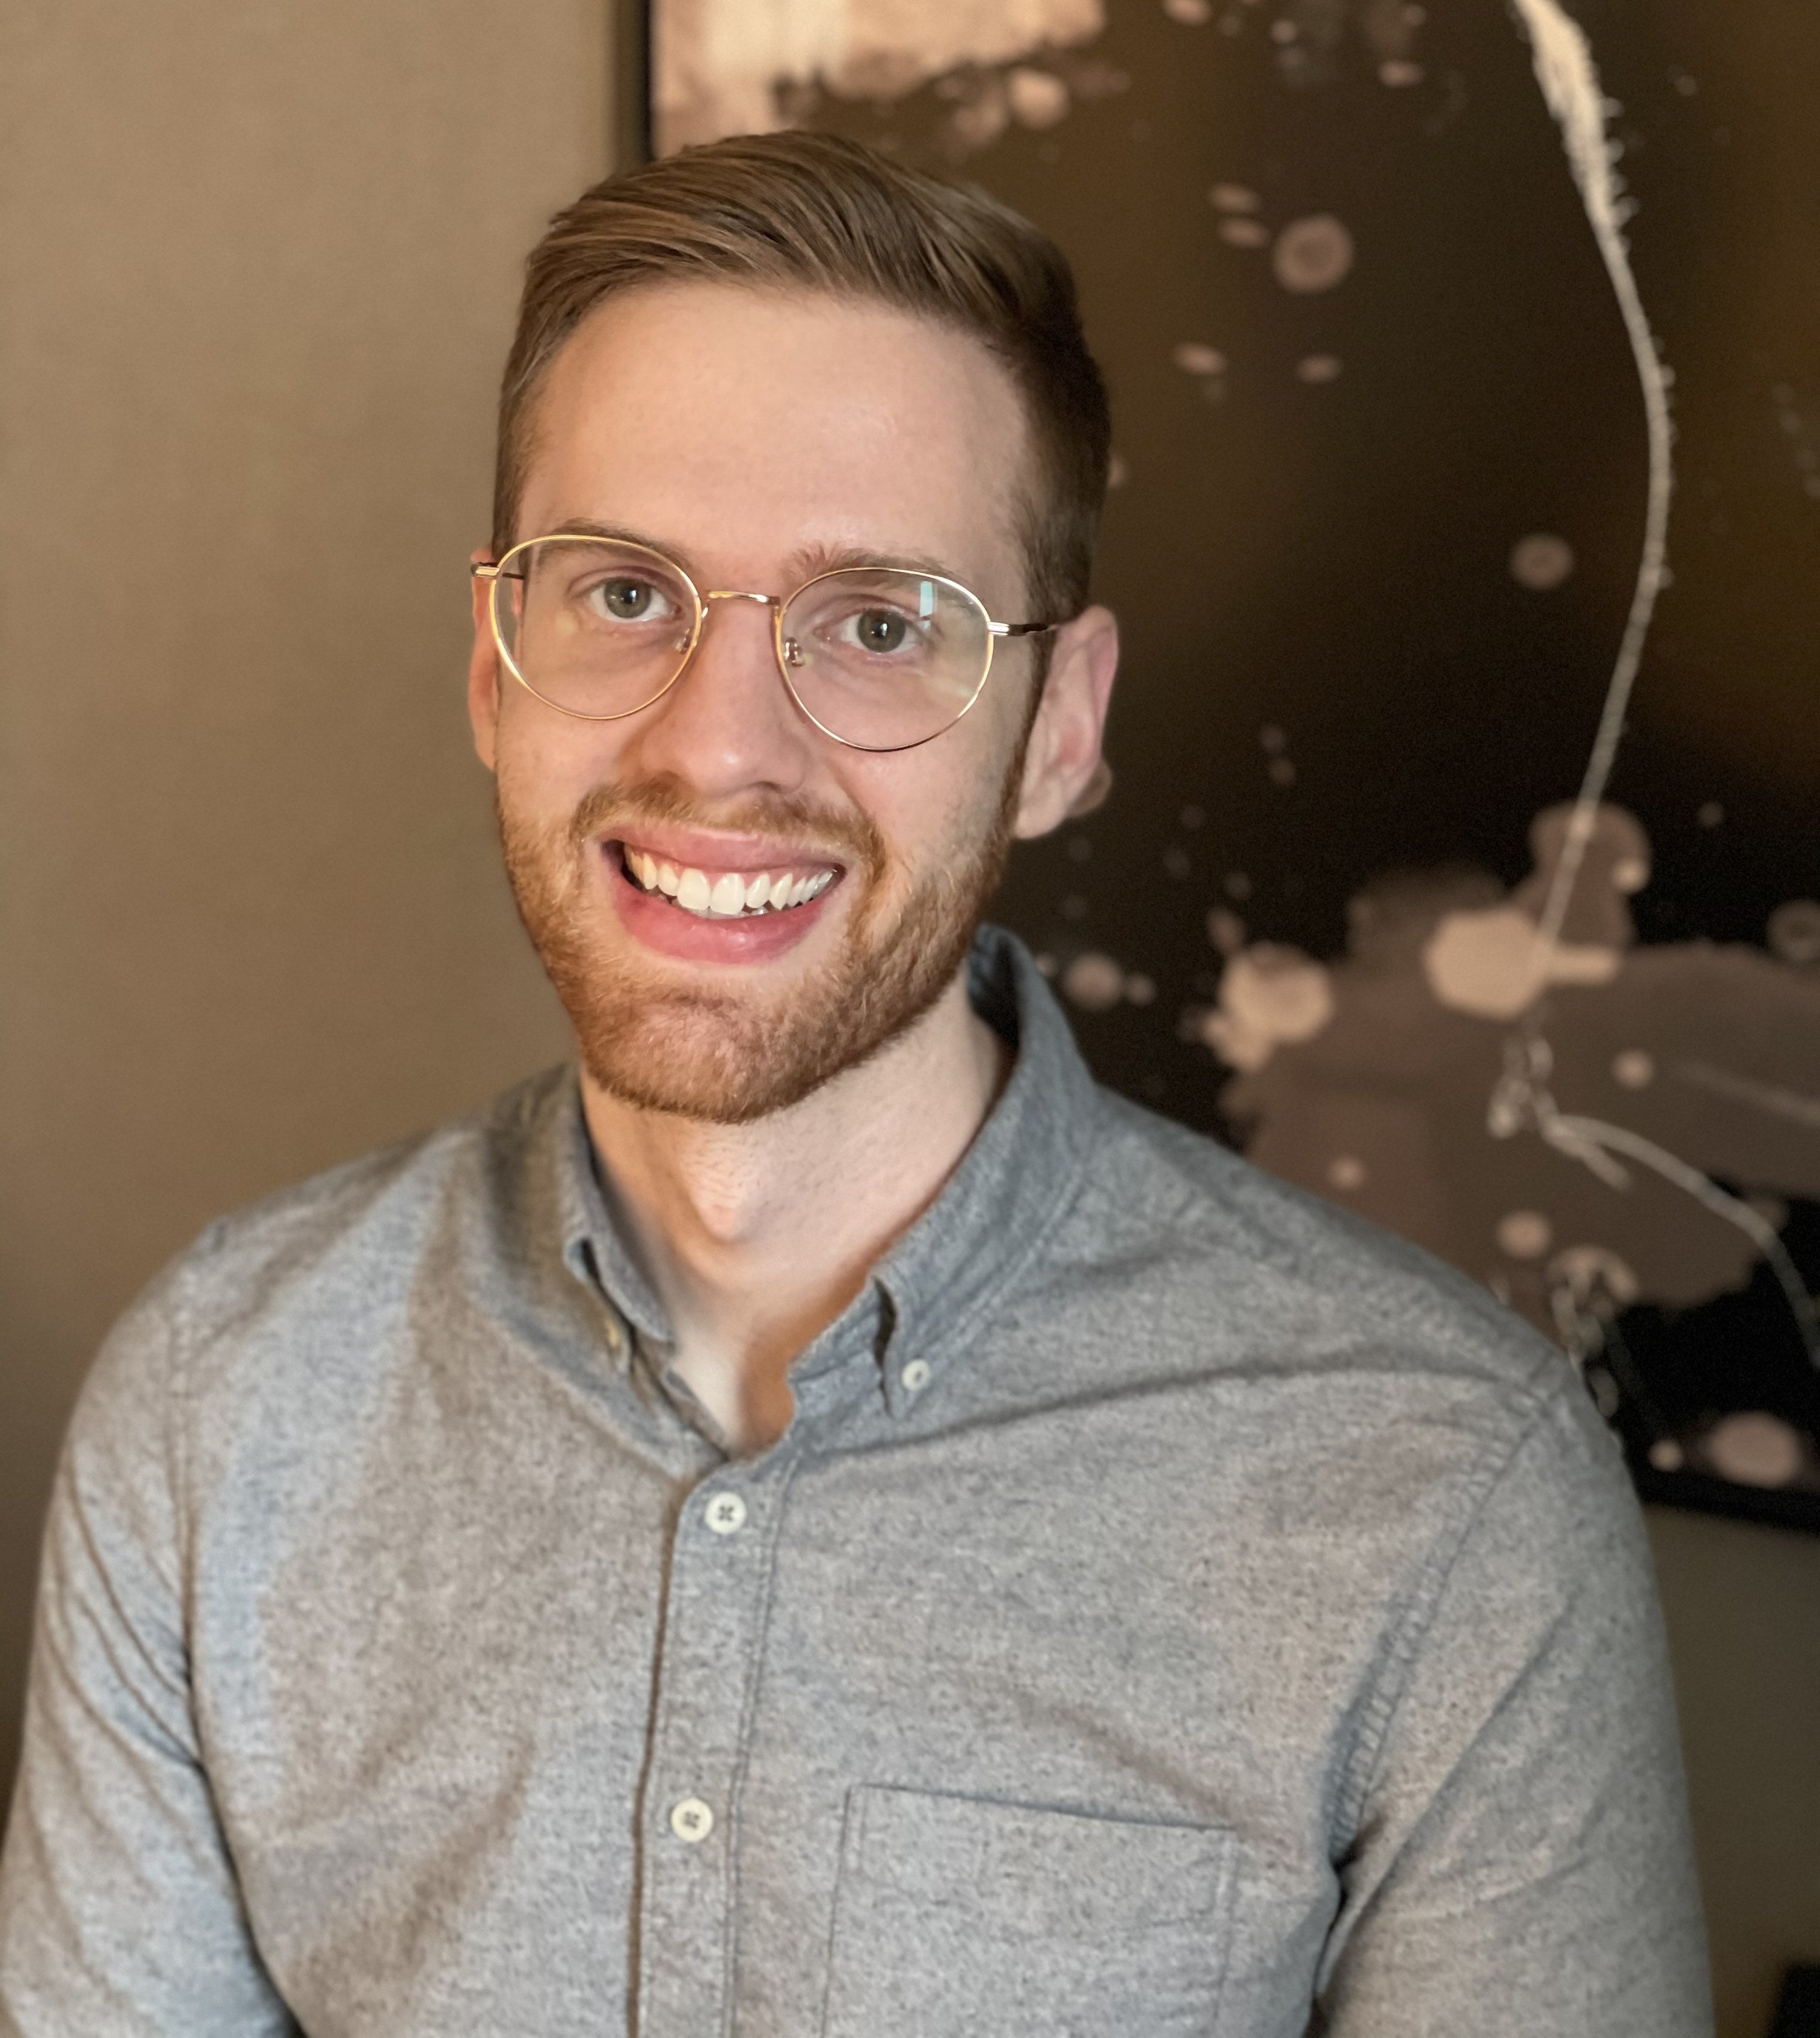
<point>757,438</point>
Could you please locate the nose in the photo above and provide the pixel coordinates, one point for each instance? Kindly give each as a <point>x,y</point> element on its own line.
<point>728,725</point>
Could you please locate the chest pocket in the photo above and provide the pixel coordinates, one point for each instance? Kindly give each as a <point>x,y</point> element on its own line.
<point>964,1918</point>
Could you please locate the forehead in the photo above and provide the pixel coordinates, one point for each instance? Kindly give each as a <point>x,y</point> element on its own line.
<point>743,426</point>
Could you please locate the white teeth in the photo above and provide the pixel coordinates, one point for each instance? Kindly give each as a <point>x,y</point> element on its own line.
<point>728,895</point>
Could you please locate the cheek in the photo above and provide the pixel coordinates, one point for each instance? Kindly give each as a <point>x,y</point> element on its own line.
<point>934,807</point>
<point>547,763</point>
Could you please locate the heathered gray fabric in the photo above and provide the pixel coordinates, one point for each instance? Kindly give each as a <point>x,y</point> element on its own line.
<point>1245,1630</point>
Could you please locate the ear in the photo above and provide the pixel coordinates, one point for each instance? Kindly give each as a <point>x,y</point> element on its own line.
<point>1062,762</point>
<point>483,668</point>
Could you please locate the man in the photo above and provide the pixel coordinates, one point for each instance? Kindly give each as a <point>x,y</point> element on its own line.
<point>825,1521</point>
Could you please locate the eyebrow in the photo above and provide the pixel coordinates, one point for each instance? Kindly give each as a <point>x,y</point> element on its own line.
<point>804,564</point>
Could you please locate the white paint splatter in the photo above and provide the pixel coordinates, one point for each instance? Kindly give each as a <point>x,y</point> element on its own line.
<point>1195,357</point>
<point>1494,963</point>
<point>1190,13</point>
<point>1346,1172</point>
<point>1269,996</point>
<point>1524,1234</point>
<point>1594,1279</point>
<point>1794,931</point>
<point>1235,198</point>
<point>1595,1144</point>
<point>1245,233</point>
<point>1093,982</point>
<point>1318,368</point>
<point>1634,1068</point>
<point>1037,98</point>
<point>1754,1449</point>
<point>1313,254</point>
<point>727,66</point>
<point>1570,85</point>
<point>1789,1105</point>
<point>1541,561</point>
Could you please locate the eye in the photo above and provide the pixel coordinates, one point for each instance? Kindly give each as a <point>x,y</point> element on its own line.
<point>625,599</point>
<point>878,631</point>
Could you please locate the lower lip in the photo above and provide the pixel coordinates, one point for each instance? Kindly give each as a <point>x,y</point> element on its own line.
<point>672,930</point>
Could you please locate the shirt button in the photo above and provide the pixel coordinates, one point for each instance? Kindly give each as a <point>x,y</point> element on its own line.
<point>725,1513</point>
<point>691,1820</point>
<point>916,1376</point>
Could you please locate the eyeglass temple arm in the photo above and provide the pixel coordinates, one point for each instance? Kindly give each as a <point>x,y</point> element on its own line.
<point>485,572</point>
<point>1020,629</point>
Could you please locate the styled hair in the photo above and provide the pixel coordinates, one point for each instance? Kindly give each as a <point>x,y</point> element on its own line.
<point>823,214</point>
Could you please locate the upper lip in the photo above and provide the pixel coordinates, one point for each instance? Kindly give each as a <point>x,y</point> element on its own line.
<point>702,849</point>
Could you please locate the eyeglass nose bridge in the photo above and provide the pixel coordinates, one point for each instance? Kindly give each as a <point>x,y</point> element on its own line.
<point>789,651</point>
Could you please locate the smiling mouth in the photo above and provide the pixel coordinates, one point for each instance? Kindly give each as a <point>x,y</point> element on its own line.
<point>726,895</point>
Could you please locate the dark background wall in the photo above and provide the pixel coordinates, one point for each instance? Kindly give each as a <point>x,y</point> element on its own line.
<point>260,273</point>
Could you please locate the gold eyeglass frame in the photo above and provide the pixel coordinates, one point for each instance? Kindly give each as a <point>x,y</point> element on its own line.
<point>788,652</point>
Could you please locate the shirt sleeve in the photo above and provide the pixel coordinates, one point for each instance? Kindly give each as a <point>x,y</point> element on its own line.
<point>120,1912</point>
<point>1523,1866</point>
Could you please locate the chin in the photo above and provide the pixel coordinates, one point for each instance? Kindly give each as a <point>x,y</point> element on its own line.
<point>721,1058</point>
<point>714,1060</point>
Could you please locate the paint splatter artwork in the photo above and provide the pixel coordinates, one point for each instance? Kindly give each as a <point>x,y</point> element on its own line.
<point>1461,860</point>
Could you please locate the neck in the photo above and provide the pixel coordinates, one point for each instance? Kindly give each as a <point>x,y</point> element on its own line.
<point>756,1237</point>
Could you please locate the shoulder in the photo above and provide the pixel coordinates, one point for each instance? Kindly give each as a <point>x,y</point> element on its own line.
<point>1342,1328</point>
<point>357,1230</point>
<point>312,1276</point>
<point>1329,1389</point>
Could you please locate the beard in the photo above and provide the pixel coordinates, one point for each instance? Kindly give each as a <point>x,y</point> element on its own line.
<point>721,1056</point>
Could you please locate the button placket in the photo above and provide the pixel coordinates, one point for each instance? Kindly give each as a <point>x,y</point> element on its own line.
<point>720,1556</point>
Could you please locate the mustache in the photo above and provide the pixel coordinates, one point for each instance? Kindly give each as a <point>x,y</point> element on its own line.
<point>845,834</point>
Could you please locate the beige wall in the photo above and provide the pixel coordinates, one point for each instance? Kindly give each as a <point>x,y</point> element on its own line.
<point>1743,1608</point>
<point>259,268</point>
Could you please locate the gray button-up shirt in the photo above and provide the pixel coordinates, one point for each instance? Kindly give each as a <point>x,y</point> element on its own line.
<point>1175,1608</point>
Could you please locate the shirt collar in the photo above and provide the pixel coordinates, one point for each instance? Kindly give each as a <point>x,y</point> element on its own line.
<point>1010,1186</point>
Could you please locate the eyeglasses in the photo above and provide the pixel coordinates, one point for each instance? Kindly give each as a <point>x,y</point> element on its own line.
<point>878,658</point>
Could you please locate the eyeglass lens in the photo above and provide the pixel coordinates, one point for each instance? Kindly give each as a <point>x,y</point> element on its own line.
<point>880,657</point>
